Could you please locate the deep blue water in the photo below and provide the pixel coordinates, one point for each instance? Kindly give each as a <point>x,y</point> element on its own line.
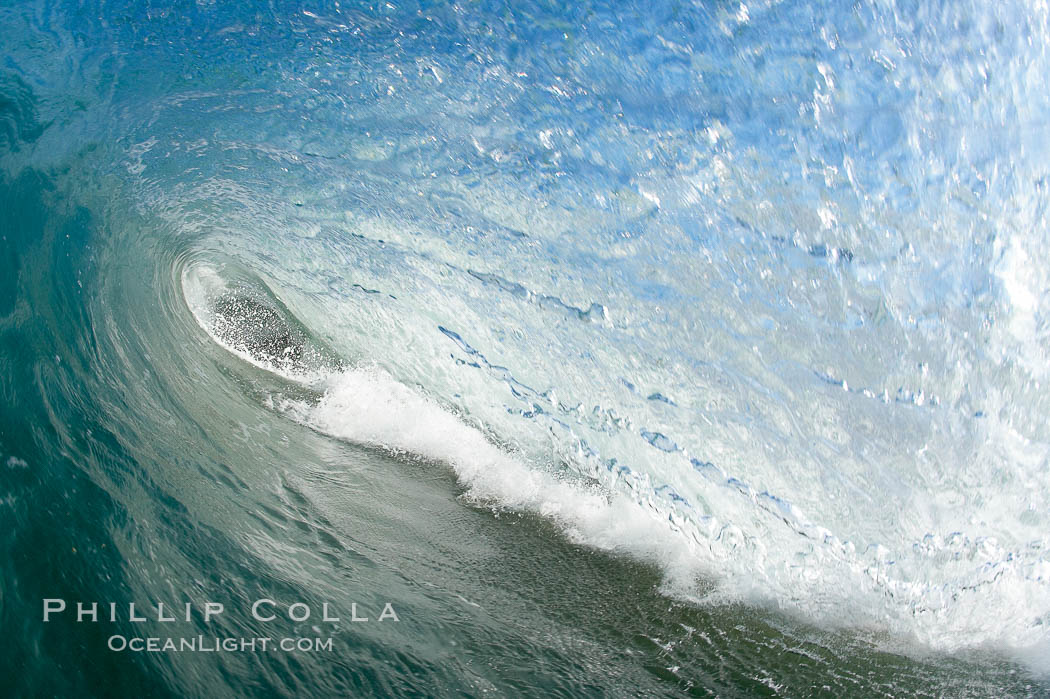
<point>623,349</point>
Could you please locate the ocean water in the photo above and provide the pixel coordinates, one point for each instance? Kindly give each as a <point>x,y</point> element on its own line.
<point>622,349</point>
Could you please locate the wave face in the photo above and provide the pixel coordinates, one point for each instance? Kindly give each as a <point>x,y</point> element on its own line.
<point>750,292</point>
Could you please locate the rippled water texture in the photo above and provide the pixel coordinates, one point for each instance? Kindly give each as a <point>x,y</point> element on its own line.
<point>628,348</point>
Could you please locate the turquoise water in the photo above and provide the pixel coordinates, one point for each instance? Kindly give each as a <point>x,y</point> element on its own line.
<point>628,349</point>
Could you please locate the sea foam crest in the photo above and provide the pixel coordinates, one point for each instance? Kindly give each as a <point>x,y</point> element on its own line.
<point>366,405</point>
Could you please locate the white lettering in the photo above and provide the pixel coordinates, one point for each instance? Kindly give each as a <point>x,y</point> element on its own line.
<point>83,611</point>
<point>211,609</point>
<point>305,613</point>
<point>132,617</point>
<point>388,613</point>
<point>51,607</point>
<point>160,613</point>
<point>259,603</point>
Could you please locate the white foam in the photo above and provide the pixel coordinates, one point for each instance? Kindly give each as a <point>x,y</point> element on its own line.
<point>834,584</point>
<point>941,596</point>
<point>368,406</point>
